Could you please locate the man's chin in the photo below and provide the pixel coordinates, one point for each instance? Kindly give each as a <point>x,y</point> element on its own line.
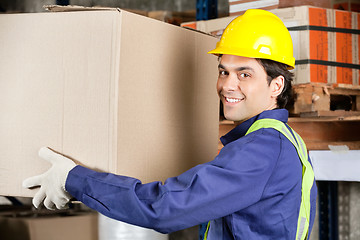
<point>232,118</point>
<point>236,119</point>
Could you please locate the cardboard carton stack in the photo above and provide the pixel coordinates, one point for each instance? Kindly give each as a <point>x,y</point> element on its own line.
<point>172,17</point>
<point>238,7</point>
<point>326,42</point>
<point>214,27</point>
<point>117,91</point>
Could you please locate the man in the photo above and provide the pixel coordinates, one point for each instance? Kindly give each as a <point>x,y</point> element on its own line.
<point>260,186</point>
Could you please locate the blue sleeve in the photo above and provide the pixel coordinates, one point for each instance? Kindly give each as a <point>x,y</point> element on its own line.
<point>233,181</point>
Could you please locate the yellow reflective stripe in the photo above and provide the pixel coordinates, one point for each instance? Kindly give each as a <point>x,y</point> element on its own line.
<point>272,123</point>
<point>301,144</point>
<point>207,230</point>
<point>302,226</point>
<point>284,130</point>
<point>308,177</point>
<point>307,173</point>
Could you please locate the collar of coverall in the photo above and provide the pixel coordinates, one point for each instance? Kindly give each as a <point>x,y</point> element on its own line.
<point>240,130</point>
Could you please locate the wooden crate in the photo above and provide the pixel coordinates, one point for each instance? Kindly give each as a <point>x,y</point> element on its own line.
<point>326,100</point>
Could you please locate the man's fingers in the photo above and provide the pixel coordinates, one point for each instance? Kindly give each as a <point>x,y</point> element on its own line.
<point>48,155</point>
<point>61,203</point>
<point>49,204</point>
<point>62,199</point>
<point>32,181</point>
<point>52,190</point>
<point>38,198</point>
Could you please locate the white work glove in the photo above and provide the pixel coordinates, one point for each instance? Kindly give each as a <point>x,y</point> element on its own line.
<point>52,183</point>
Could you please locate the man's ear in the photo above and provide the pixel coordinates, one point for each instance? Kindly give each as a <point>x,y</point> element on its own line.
<point>277,86</point>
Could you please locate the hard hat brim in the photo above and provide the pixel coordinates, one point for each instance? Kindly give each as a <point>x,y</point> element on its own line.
<point>250,54</point>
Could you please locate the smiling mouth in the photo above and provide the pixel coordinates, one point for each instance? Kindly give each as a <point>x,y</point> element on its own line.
<point>233,100</point>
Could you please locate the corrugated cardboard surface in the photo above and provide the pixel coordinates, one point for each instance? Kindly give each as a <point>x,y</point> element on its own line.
<point>116,91</point>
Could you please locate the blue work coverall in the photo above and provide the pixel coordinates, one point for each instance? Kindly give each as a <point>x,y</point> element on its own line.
<point>252,190</point>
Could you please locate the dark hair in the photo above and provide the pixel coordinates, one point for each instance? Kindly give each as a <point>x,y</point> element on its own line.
<point>274,69</point>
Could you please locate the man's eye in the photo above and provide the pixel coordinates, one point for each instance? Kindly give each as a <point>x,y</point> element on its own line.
<point>223,72</point>
<point>243,75</point>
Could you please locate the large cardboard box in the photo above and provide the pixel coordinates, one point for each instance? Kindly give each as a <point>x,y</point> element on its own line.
<point>37,226</point>
<point>117,91</point>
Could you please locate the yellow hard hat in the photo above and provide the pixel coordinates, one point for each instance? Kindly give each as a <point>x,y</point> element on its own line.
<point>257,34</point>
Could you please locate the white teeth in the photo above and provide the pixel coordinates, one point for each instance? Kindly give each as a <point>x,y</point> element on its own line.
<point>232,100</point>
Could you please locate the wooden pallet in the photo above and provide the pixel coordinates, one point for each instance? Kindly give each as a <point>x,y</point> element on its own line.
<point>317,133</point>
<point>320,133</point>
<point>326,100</point>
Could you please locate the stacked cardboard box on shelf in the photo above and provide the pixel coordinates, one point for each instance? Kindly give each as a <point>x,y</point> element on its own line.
<point>40,225</point>
<point>347,46</point>
<point>238,7</point>
<point>326,42</point>
<point>214,27</point>
<point>172,17</point>
<point>117,91</point>
<point>325,47</point>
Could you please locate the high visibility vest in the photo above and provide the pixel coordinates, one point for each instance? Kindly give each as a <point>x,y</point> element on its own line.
<point>307,172</point>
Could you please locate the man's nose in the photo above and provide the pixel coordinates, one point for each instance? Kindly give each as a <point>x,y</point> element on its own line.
<point>231,83</point>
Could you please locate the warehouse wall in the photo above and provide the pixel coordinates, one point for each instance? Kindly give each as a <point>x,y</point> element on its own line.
<point>145,5</point>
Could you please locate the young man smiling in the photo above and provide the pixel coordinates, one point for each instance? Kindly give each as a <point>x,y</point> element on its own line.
<point>243,88</point>
<point>260,186</point>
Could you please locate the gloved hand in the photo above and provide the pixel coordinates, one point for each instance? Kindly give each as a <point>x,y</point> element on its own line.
<point>52,182</point>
